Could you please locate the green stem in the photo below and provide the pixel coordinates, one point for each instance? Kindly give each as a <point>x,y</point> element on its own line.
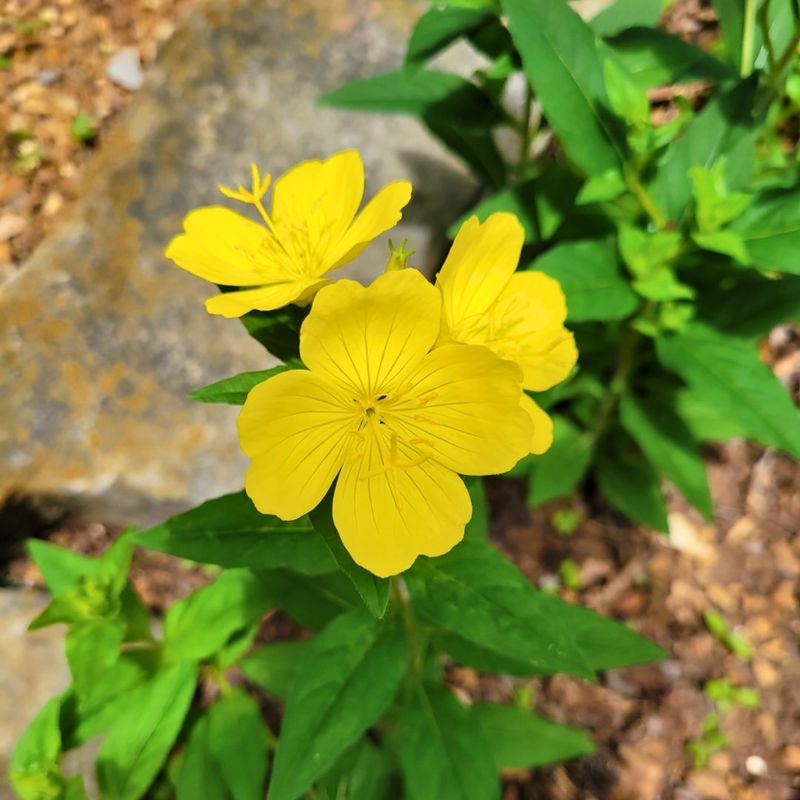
<point>413,637</point>
<point>626,357</point>
<point>763,23</point>
<point>527,132</point>
<point>748,32</point>
<point>645,200</point>
<point>788,54</point>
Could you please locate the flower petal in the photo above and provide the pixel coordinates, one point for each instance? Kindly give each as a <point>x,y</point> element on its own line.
<point>378,215</point>
<point>526,326</point>
<point>264,298</point>
<point>387,517</point>
<point>463,406</point>
<point>480,263</point>
<point>222,246</point>
<point>370,338</point>
<point>295,428</point>
<point>320,196</point>
<point>542,426</point>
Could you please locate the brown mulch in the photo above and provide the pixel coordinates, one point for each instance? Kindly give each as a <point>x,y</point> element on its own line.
<point>53,58</point>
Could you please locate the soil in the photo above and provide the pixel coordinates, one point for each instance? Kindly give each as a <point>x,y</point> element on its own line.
<point>745,565</point>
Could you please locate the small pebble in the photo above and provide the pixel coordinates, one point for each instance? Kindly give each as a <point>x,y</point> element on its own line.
<point>47,77</point>
<point>125,69</point>
<point>756,766</point>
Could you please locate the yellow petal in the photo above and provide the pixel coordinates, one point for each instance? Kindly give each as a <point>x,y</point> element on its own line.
<point>388,517</point>
<point>480,263</point>
<point>463,406</point>
<point>368,338</point>
<point>526,326</point>
<point>220,245</point>
<point>320,197</point>
<point>265,298</point>
<point>295,428</point>
<point>378,215</point>
<point>542,426</point>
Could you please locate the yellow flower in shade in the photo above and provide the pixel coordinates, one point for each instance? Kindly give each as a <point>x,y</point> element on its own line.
<point>311,229</point>
<point>394,419</point>
<point>518,315</point>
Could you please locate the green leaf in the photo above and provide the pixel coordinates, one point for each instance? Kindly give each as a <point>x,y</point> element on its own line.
<point>374,591</point>
<point>478,526</point>
<point>600,188</point>
<point>328,709</point>
<point>731,20</point>
<point>201,624</point>
<point>628,482</point>
<point>92,648</point>
<point>312,601</point>
<point>475,593</point>
<point>540,204</point>
<point>497,621</point>
<point>669,446</point>
<point>727,242</point>
<point>278,331</point>
<point>234,390</point>
<point>561,60</point>
<point>714,204</point>
<point>231,532</point>
<point>360,774</point>
<point>443,753</point>
<point>589,273</point>
<point>275,666</point>
<point>653,57</point>
<point>238,741</point>
<point>139,740</point>
<point>749,304</point>
<point>439,27</point>
<point>198,776</point>
<point>728,373</point>
<point>704,419</point>
<point>625,97</point>
<point>455,110</point>
<point>34,772</point>
<point>770,228</point>
<point>725,127</point>
<point>624,14</point>
<point>520,739</point>
<point>60,568</point>
<point>557,472</point>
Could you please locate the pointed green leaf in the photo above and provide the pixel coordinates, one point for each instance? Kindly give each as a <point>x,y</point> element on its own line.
<point>521,739</point>
<point>348,680</point>
<point>439,27</point>
<point>234,390</point>
<point>198,776</point>
<point>624,14</point>
<point>374,591</point>
<point>669,446</point>
<point>590,275</point>
<point>628,482</point>
<point>770,229</point>
<point>443,753</point>
<point>231,532</point>
<point>559,471</point>
<point>201,624</point>
<point>238,741</point>
<point>275,666</point>
<point>475,593</point>
<point>34,773</point>
<point>728,373</point>
<point>139,740</point>
<point>561,60</point>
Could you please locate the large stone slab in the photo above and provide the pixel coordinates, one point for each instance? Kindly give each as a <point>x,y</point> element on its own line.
<point>100,337</point>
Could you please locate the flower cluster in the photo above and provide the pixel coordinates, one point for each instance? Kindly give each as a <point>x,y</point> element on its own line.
<point>407,385</point>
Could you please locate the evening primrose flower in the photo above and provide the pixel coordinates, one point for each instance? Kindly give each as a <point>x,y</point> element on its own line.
<point>518,315</point>
<point>395,419</point>
<point>311,229</point>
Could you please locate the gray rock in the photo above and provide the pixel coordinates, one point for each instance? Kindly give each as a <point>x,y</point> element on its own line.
<point>125,69</point>
<point>101,338</point>
<point>47,77</point>
<point>33,670</point>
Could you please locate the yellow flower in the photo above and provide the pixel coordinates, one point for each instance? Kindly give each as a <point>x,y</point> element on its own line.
<point>518,315</point>
<point>395,420</point>
<point>311,229</point>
